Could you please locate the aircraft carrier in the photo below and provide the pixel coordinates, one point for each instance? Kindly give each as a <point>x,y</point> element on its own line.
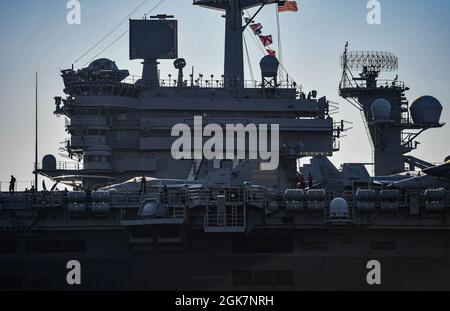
<point>139,219</point>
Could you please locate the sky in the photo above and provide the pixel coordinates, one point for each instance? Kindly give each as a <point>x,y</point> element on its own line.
<point>35,36</point>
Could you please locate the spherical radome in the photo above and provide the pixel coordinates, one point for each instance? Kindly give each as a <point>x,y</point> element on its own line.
<point>426,109</point>
<point>339,207</point>
<point>269,66</point>
<point>103,64</point>
<point>49,162</point>
<point>381,109</point>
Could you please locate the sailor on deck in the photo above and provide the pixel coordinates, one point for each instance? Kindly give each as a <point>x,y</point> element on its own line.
<point>12,184</point>
<point>143,185</point>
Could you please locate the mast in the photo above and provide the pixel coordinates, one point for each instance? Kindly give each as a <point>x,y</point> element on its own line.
<point>280,51</point>
<point>234,49</point>
<point>36,138</point>
<point>234,58</point>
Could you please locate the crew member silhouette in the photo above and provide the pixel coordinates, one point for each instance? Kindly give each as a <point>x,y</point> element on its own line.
<point>143,185</point>
<point>12,184</point>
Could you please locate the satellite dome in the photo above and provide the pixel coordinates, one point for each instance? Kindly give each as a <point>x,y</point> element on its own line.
<point>49,162</point>
<point>150,207</point>
<point>426,109</point>
<point>103,64</point>
<point>381,109</point>
<point>269,66</point>
<point>339,208</point>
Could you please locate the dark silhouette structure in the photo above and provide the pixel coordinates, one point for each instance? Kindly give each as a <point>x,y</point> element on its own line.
<point>12,184</point>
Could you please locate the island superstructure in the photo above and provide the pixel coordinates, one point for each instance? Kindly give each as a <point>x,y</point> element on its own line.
<point>140,219</point>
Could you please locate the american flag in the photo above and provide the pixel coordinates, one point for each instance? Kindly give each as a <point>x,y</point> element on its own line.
<point>287,6</point>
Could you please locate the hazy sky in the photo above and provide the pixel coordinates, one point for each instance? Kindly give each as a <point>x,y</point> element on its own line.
<point>34,36</point>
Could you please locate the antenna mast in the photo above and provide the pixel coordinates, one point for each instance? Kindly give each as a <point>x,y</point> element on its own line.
<point>36,139</point>
<point>234,48</point>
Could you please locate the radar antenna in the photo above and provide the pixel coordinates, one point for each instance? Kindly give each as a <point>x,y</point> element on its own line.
<point>371,60</point>
<point>369,63</point>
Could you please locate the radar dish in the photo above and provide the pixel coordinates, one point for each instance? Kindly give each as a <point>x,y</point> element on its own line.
<point>370,60</point>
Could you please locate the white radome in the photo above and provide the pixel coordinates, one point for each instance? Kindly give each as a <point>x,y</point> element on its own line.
<point>381,109</point>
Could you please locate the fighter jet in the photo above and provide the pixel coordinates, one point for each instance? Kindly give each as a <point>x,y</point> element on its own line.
<point>442,171</point>
<point>432,178</point>
<point>389,180</point>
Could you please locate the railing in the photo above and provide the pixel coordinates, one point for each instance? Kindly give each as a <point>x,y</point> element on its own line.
<point>126,199</point>
<point>175,197</point>
<point>62,166</point>
<point>232,220</point>
<point>27,200</point>
<point>205,197</point>
<point>383,83</point>
<point>179,212</point>
<point>208,83</point>
<point>336,144</point>
<point>19,185</point>
<point>85,141</point>
<point>224,222</point>
<point>87,120</point>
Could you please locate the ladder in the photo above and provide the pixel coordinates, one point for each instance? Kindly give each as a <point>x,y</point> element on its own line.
<point>234,215</point>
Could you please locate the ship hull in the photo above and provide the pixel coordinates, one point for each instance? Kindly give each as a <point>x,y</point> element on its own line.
<point>334,259</point>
